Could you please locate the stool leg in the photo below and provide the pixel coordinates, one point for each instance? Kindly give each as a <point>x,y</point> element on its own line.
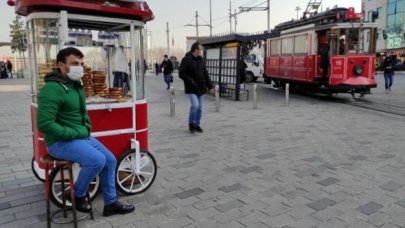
<point>88,200</point>
<point>61,168</point>
<point>48,205</point>
<point>72,196</point>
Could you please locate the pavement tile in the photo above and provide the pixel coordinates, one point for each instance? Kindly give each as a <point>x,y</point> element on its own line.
<point>390,186</point>
<point>189,193</point>
<point>328,181</point>
<point>229,205</point>
<point>321,204</point>
<point>370,208</point>
<point>232,188</point>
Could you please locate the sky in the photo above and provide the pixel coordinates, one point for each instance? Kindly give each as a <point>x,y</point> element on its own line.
<point>181,12</point>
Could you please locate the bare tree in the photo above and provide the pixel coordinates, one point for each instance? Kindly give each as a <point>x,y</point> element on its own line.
<point>18,38</point>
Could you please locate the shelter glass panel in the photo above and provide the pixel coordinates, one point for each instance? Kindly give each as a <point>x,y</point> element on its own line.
<point>213,53</point>
<point>229,53</point>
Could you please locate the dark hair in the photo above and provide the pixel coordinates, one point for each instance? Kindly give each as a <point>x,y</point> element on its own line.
<point>165,56</point>
<point>195,46</point>
<point>64,53</point>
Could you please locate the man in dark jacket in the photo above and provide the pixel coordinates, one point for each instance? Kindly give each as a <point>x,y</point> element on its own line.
<point>63,118</point>
<point>167,71</point>
<point>10,68</point>
<point>325,64</point>
<point>388,66</point>
<point>196,83</point>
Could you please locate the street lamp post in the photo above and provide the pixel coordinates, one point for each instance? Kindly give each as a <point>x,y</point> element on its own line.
<point>297,9</point>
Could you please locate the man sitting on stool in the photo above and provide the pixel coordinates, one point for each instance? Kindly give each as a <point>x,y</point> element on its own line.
<point>63,118</point>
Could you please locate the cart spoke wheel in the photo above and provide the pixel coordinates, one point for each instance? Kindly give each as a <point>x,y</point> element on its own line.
<point>56,187</point>
<point>145,173</point>
<point>128,180</point>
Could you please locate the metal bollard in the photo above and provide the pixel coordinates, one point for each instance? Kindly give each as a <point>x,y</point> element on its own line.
<point>217,104</point>
<point>255,102</point>
<point>287,94</point>
<point>172,102</point>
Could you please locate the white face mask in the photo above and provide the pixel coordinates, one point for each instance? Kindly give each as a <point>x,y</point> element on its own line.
<point>75,73</point>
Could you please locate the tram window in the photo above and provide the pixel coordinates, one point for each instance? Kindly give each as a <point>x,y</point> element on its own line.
<point>275,47</point>
<point>301,44</point>
<point>342,45</point>
<point>367,39</point>
<point>287,45</point>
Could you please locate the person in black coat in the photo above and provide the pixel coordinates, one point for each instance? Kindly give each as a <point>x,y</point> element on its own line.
<point>388,66</point>
<point>325,64</point>
<point>167,66</point>
<point>196,83</point>
<point>3,70</point>
<point>10,68</point>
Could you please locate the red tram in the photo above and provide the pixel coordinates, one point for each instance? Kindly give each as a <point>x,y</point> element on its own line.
<point>294,56</point>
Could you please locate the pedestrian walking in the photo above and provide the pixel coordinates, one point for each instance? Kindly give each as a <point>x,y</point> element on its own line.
<point>63,118</point>
<point>9,66</point>
<point>167,66</point>
<point>196,83</point>
<point>325,64</point>
<point>388,67</point>
<point>157,68</point>
<point>3,70</point>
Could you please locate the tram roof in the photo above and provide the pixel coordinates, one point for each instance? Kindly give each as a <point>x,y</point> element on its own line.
<point>322,18</point>
<point>240,38</point>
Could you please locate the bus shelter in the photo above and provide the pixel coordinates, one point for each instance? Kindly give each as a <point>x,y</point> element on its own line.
<point>224,57</point>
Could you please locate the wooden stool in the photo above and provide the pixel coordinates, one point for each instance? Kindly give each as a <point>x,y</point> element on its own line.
<point>62,164</point>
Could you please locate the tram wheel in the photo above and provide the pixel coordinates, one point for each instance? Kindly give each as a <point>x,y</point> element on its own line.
<point>34,171</point>
<point>357,96</point>
<point>56,186</point>
<point>128,181</point>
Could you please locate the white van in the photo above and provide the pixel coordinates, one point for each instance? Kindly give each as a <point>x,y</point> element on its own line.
<point>255,66</point>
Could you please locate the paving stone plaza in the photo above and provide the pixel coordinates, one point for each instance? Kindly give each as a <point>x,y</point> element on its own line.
<point>315,163</point>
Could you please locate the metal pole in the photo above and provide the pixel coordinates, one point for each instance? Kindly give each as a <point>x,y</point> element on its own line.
<point>230,17</point>
<point>236,21</point>
<point>210,19</point>
<point>255,102</point>
<point>172,102</point>
<point>268,15</point>
<point>196,22</point>
<point>168,42</point>
<point>287,94</point>
<point>217,102</point>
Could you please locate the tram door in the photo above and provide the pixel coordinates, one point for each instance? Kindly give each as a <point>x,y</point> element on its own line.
<point>323,43</point>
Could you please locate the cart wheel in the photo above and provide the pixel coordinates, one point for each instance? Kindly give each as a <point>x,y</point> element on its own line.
<point>35,172</point>
<point>56,187</point>
<point>128,181</point>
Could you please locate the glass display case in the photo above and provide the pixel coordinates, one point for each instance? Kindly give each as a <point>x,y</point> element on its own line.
<point>108,48</point>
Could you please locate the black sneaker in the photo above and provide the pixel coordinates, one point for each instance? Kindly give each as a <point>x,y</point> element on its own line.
<point>117,208</point>
<point>198,129</point>
<point>81,202</point>
<point>191,128</point>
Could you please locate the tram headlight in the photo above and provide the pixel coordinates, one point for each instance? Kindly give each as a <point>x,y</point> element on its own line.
<point>358,70</point>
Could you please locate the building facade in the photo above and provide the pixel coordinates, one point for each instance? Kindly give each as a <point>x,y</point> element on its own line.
<point>391,36</point>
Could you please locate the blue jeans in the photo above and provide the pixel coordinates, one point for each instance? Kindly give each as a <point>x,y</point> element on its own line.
<point>195,109</point>
<point>389,78</point>
<point>94,159</point>
<point>168,79</point>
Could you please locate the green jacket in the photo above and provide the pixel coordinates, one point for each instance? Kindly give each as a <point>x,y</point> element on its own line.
<point>62,113</point>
